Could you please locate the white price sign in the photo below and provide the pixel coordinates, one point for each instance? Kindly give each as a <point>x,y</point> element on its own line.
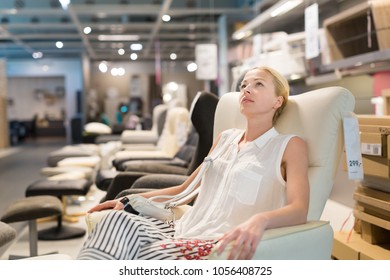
<point>352,147</point>
<point>207,61</point>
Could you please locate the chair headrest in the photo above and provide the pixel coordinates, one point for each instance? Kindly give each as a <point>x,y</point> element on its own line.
<point>203,110</point>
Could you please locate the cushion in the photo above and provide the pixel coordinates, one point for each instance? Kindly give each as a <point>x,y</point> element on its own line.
<point>73,175</point>
<point>59,187</point>
<point>31,208</point>
<point>90,161</point>
<point>97,128</point>
<point>51,171</point>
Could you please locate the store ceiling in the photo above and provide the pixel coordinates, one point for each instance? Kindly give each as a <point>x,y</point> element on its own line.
<point>29,26</point>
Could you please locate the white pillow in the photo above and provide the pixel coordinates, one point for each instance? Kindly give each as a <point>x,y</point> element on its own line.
<point>97,128</point>
<point>90,161</point>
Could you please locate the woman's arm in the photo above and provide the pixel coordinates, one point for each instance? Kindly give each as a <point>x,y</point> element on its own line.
<point>247,235</point>
<point>117,205</point>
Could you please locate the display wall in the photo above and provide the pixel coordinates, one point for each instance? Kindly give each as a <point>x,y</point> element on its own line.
<point>69,69</point>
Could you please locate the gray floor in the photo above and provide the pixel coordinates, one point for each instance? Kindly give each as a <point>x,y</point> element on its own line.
<point>22,165</point>
<point>19,167</point>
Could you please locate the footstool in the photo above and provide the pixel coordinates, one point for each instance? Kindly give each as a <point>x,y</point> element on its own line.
<point>60,189</point>
<point>7,234</point>
<point>30,209</point>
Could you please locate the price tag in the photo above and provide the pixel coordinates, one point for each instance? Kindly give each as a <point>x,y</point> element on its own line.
<point>352,147</point>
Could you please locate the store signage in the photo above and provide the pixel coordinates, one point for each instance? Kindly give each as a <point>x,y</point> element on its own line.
<point>312,32</point>
<point>207,61</point>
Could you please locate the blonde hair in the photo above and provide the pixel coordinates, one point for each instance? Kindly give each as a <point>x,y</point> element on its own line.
<point>282,88</point>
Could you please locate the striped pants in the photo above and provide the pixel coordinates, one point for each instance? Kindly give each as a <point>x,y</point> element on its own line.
<point>124,236</point>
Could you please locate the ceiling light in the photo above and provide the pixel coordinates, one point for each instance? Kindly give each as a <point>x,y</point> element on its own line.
<point>136,47</point>
<point>103,67</point>
<point>118,37</point>
<point>118,71</point>
<point>65,4</point>
<point>242,35</point>
<point>87,30</point>
<point>37,55</point>
<point>133,56</point>
<point>167,97</point>
<point>285,7</point>
<point>172,86</point>
<point>173,56</point>
<point>59,44</point>
<point>191,67</point>
<point>121,51</point>
<point>166,18</point>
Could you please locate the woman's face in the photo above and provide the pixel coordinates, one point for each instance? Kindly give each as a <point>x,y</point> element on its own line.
<point>257,94</point>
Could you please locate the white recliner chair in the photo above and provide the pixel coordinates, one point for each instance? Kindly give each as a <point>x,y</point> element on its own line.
<point>173,136</point>
<point>316,116</point>
<point>146,136</point>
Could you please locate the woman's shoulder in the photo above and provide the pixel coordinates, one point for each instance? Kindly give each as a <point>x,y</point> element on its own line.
<point>291,139</point>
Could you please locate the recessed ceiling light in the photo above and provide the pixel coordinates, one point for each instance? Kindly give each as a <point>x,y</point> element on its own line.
<point>87,30</point>
<point>191,67</point>
<point>37,55</point>
<point>59,44</point>
<point>103,67</point>
<point>136,47</point>
<point>166,18</point>
<point>133,56</point>
<point>118,37</point>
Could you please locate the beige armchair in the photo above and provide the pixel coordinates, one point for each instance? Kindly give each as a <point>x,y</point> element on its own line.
<point>317,117</point>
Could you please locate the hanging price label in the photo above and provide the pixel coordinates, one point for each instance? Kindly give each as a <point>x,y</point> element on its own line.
<point>352,147</point>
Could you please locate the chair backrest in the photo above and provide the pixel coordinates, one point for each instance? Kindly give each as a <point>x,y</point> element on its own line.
<point>175,131</point>
<point>202,118</point>
<point>316,116</point>
<point>158,118</point>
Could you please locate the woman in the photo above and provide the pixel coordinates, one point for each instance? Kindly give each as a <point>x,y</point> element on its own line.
<point>259,182</point>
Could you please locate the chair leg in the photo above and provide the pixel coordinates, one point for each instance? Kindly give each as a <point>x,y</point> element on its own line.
<point>33,236</point>
<point>33,242</point>
<point>70,218</point>
<point>61,232</point>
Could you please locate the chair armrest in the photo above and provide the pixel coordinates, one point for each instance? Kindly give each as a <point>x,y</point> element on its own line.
<point>158,181</point>
<point>156,168</point>
<point>119,163</point>
<point>312,240</point>
<point>122,181</point>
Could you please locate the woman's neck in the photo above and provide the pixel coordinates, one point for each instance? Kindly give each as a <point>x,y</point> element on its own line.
<point>255,130</point>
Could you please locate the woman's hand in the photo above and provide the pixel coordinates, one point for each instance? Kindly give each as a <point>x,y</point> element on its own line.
<point>109,204</point>
<point>245,238</point>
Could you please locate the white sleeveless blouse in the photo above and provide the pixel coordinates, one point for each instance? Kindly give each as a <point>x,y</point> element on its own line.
<point>240,183</point>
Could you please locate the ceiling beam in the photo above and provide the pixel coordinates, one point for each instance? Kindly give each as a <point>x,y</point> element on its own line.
<point>84,38</point>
